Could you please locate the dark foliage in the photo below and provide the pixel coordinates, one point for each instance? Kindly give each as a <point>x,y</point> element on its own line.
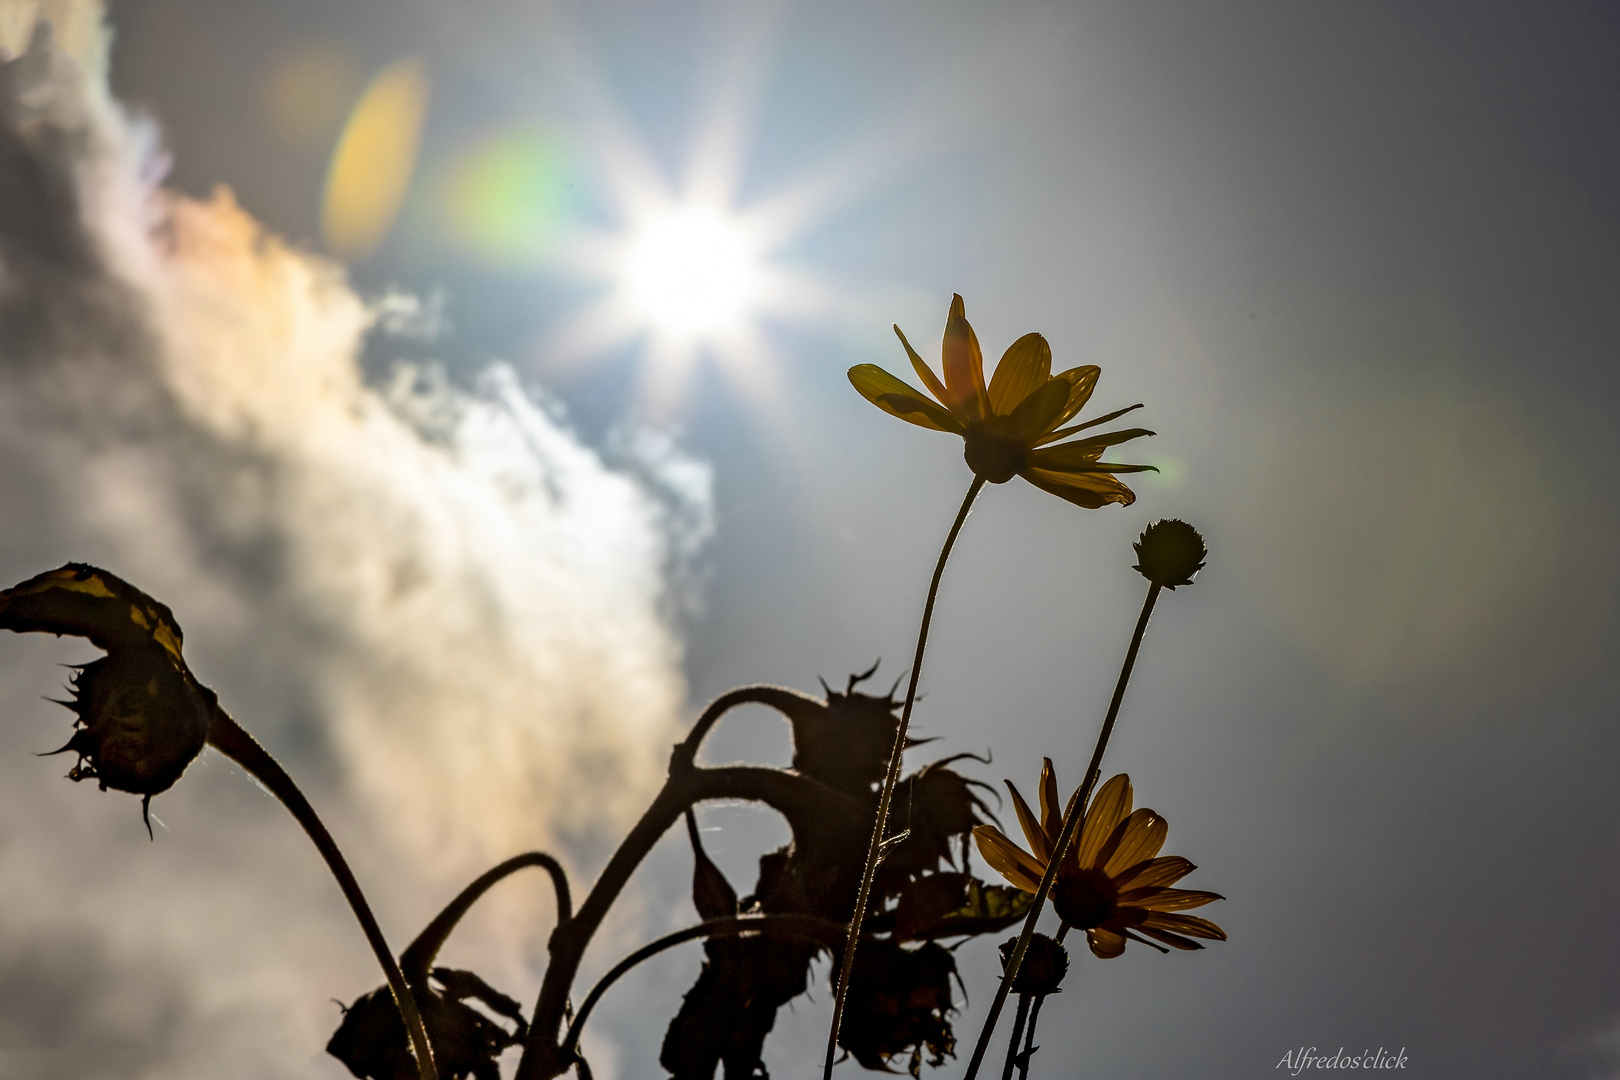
<point>902,995</point>
<point>371,1040</point>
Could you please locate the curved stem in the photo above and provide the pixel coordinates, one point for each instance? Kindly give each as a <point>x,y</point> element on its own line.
<point>780,698</point>
<point>232,740</point>
<point>825,931</point>
<point>809,806</point>
<point>890,779</point>
<point>1071,821</point>
<point>418,956</point>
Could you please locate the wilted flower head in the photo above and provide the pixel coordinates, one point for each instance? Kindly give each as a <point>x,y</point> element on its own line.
<point>1008,424</point>
<point>899,1002</point>
<point>1170,553</point>
<point>141,716</point>
<point>372,1042</point>
<point>1111,885</point>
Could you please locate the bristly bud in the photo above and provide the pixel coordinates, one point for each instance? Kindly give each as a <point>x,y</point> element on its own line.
<point>1045,964</point>
<point>1170,553</point>
<point>141,715</point>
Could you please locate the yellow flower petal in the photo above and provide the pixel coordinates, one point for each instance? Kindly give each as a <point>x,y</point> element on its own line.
<point>1082,452</point>
<point>1191,925</point>
<point>1025,367</point>
<point>1108,808</point>
<point>1157,873</point>
<point>964,366</point>
<point>1175,940</point>
<point>1034,414</point>
<point>1038,843</point>
<point>924,372</point>
<point>1051,809</point>
<point>1105,944</point>
<point>898,399</point>
<point>1008,859</point>
<point>1136,841</point>
<point>1167,899</point>
<point>1064,433</point>
<point>1082,381</point>
<point>1089,490</point>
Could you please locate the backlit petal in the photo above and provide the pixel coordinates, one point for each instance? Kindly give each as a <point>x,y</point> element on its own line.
<point>1167,899</point>
<point>1109,806</point>
<point>1034,414</point>
<point>1008,859</point>
<point>1024,368</point>
<point>1105,944</point>
<point>964,366</point>
<point>1038,843</point>
<point>898,399</point>
<point>1138,840</point>
<point>1051,809</point>
<point>1176,940</point>
<point>1064,433</point>
<point>1089,490</point>
<point>924,372</point>
<point>1191,925</point>
<point>1082,452</point>
<point>1082,381</point>
<point>1160,872</point>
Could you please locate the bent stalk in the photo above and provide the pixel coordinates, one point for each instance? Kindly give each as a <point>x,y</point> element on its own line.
<point>806,803</point>
<point>419,954</point>
<point>232,740</point>
<point>1072,816</point>
<point>890,779</point>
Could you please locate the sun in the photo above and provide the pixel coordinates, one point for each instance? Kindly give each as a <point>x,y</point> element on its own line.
<point>690,267</point>
<point>692,272</point>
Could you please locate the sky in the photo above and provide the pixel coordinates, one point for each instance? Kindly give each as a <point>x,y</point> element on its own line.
<point>411,480</point>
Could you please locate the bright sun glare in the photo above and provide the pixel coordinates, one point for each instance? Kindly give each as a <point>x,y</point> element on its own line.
<point>692,272</point>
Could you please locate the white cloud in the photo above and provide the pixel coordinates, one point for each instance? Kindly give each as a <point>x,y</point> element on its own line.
<point>448,615</point>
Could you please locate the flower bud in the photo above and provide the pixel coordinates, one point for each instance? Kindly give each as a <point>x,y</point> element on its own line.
<point>1170,553</point>
<point>1045,964</point>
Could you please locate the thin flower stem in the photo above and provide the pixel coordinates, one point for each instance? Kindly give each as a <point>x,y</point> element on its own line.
<point>1017,1035</point>
<point>1071,821</point>
<point>890,779</point>
<point>1029,1038</point>
<point>1034,1018</point>
<point>232,740</point>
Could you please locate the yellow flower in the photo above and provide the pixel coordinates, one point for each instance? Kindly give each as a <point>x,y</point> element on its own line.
<point>1008,425</point>
<point>1111,885</point>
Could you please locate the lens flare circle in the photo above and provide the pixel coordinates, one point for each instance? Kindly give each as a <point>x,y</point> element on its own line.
<point>691,271</point>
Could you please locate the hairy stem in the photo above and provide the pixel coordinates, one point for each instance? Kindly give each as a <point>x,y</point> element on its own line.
<point>807,804</point>
<point>1072,816</point>
<point>890,779</point>
<point>825,931</point>
<point>230,739</point>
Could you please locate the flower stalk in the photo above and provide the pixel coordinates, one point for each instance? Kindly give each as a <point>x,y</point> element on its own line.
<point>874,850</point>
<point>232,740</point>
<point>1072,816</point>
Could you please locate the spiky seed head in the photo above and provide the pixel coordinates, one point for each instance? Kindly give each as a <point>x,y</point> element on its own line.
<point>1045,964</point>
<point>1169,553</point>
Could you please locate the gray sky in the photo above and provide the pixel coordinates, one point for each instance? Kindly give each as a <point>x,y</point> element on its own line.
<point>1358,260</point>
